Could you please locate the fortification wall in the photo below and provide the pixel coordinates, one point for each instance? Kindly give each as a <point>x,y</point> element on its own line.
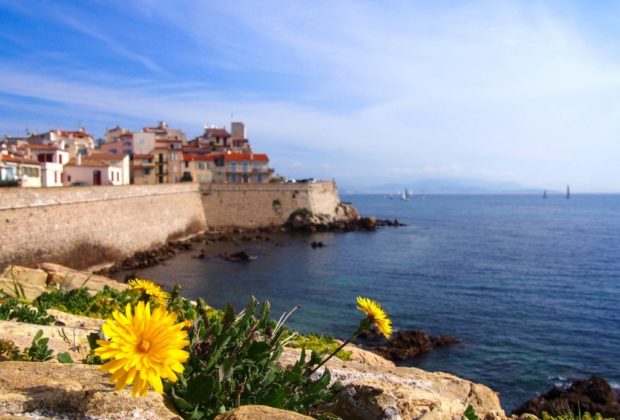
<point>257,205</point>
<point>82,226</point>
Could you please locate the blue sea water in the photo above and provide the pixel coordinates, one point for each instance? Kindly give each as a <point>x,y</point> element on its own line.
<point>530,286</point>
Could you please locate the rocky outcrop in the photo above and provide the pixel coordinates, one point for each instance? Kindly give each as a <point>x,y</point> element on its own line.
<point>69,279</point>
<point>305,221</point>
<point>388,392</point>
<point>53,390</point>
<point>405,345</point>
<point>16,280</point>
<point>593,395</point>
<point>260,412</point>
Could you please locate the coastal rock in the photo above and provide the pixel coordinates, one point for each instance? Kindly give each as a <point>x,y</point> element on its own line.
<point>260,412</point>
<point>70,339</point>
<point>405,345</point>
<point>366,357</point>
<point>53,390</point>
<point>593,395</point>
<point>240,256</point>
<point>404,392</point>
<point>69,279</point>
<point>32,281</point>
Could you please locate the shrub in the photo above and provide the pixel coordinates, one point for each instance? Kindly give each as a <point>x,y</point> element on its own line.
<point>80,302</point>
<point>14,310</point>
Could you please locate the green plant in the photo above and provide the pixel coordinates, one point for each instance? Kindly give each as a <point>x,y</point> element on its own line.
<point>38,351</point>
<point>64,357</point>
<point>322,344</point>
<point>470,413</point>
<point>9,351</point>
<point>233,361</point>
<point>573,416</point>
<point>13,309</point>
<point>80,302</point>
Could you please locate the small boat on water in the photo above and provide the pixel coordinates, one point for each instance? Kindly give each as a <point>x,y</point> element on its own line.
<point>408,193</point>
<point>403,196</point>
<point>567,192</point>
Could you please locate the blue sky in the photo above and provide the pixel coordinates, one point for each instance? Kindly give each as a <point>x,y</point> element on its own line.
<point>364,92</point>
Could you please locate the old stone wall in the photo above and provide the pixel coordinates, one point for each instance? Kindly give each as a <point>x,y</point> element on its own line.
<point>82,226</point>
<point>257,205</point>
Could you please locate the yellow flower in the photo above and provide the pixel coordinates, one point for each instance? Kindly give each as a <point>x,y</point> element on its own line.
<point>149,289</point>
<point>376,315</point>
<point>143,347</point>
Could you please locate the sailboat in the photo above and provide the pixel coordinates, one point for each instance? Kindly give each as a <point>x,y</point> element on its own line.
<point>408,193</point>
<point>545,194</point>
<point>567,192</point>
<point>403,196</point>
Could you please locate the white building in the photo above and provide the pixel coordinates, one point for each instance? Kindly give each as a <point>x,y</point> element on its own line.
<point>52,160</point>
<point>89,171</point>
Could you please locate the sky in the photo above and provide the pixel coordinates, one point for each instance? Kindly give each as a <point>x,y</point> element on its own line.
<point>366,92</point>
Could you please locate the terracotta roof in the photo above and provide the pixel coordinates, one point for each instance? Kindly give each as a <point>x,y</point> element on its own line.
<point>17,159</point>
<point>246,156</point>
<point>199,157</point>
<point>107,156</point>
<point>74,133</point>
<point>143,165</point>
<point>42,147</point>
<point>168,141</point>
<point>89,163</point>
<point>143,156</point>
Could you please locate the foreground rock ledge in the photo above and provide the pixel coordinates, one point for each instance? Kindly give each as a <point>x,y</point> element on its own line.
<point>75,391</point>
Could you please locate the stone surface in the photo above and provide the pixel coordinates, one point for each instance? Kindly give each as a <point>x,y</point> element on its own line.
<point>61,339</point>
<point>390,392</point>
<point>367,357</point>
<point>260,412</point>
<point>33,281</point>
<point>593,395</point>
<point>75,391</point>
<point>67,278</point>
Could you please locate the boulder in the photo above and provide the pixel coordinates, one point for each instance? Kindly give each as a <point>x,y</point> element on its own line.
<point>405,345</point>
<point>593,395</point>
<point>67,278</point>
<point>33,282</point>
<point>56,390</point>
<point>260,412</point>
<point>389,392</point>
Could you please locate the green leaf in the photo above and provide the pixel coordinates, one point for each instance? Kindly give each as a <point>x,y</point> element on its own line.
<point>64,357</point>
<point>258,349</point>
<point>180,402</point>
<point>37,336</point>
<point>470,414</point>
<point>200,388</point>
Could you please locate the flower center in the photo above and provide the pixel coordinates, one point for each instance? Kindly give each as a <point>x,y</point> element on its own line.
<point>144,346</point>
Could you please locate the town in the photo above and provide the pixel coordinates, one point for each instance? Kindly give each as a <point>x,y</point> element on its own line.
<point>153,155</point>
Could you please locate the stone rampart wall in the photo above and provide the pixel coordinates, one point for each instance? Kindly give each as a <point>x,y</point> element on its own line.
<point>257,205</point>
<point>83,226</point>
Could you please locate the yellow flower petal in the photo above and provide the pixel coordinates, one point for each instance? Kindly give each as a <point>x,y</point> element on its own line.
<point>376,315</point>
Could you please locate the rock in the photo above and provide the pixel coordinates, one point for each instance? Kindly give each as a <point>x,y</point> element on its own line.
<point>260,412</point>
<point>390,392</point>
<point>317,244</point>
<point>33,282</point>
<point>593,395</point>
<point>240,256</point>
<point>75,391</point>
<point>404,345</point>
<point>68,338</point>
<point>67,278</point>
<point>367,357</point>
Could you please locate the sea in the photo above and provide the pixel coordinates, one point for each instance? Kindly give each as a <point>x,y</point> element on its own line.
<point>530,286</point>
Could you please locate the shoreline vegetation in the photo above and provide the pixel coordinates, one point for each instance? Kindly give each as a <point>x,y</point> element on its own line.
<point>69,299</point>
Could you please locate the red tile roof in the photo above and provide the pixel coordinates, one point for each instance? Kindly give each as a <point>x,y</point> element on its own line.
<point>89,163</point>
<point>246,156</point>
<point>188,157</point>
<point>17,159</point>
<point>107,156</point>
<point>143,156</point>
<point>168,141</point>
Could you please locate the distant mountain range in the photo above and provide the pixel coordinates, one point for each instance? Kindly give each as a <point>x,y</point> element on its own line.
<point>443,186</point>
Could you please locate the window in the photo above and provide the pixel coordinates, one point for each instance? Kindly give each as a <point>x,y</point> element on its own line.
<point>186,164</point>
<point>259,178</point>
<point>127,143</point>
<point>68,178</point>
<point>31,172</point>
<point>245,167</point>
<point>59,158</point>
<point>233,167</point>
<point>147,172</point>
<point>233,178</point>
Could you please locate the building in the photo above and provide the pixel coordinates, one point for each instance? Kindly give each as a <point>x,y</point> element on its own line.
<point>168,160</point>
<point>123,144</point>
<point>143,169</point>
<point>198,168</point>
<point>75,142</point>
<point>87,170</point>
<point>241,168</point>
<point>26,172</point>
<point>119,160</point>
<point>52,159</point>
